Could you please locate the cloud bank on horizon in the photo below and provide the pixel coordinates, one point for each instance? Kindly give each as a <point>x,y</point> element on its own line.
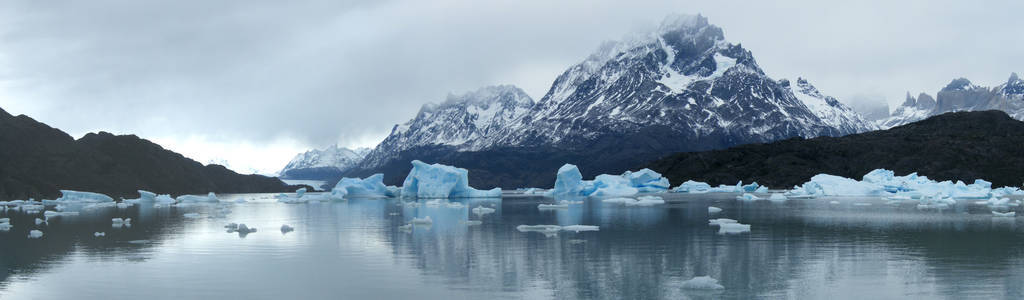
<point>254,82</point>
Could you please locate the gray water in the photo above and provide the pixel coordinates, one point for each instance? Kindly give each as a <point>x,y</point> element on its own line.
<point>803,249</point>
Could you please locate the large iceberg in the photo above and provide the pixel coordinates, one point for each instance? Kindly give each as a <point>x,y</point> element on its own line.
<point>441,181</point>
<point>569,182</point>
<point>372,186</point>
<point>881,182</point>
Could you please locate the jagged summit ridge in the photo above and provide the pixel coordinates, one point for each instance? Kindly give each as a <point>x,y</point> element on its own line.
<point>683,80</point>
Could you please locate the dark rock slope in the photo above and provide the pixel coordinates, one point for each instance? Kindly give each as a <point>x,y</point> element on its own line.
<point>953,146</point>
<point>37,161</point>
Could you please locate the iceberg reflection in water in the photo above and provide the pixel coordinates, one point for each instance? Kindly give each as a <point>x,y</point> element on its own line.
<point>359,249</point>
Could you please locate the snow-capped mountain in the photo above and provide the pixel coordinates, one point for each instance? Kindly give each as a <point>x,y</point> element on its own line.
<point>469,122</point>
<point>683,83</point>
<point>323,164</point>
<point>962,95</point>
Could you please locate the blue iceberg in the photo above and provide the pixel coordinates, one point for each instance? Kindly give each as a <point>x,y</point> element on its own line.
<point>441,181</point>
<point>370,187</point>
<point>569,182</point>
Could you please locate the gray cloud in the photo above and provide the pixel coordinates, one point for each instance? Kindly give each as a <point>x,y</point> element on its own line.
<point>320,72</point>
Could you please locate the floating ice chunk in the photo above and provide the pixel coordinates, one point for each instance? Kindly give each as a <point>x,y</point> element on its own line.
<point>578,228</point>
<point>762,189</point>
<point>243,229</point>
<point>833,202</point>
<point>647,180</point>
<point>441,181</point>
<point>412,204</point>
<point>691,186</point>
<point>702,283</point>
<point>777,197</point>
<point>124,205</point>
<point>747,197</point>
<point>714,210</point>
<point>720,221</point>
<point>454,205</point>
<point>750,188</point>
<point>567,202</point>
<point>121,221</point>
<point>39,221</point>
<point>300,192</point>
<point>286,229</point>
<point>369,187</point>
<point>35,234</point>
<point>568,182</point>
<point>552,206</point>
<point>539,228</point>
<point>647,201</point>
<point>5,226</point>
<point>473,223</point>
<point>191,215</point>
<point>481,211</point>
<point>99,234</point>
<point>422,221</point>
<point>433,203</point>
<point>1004,214</point>
<point>211,197</point>
<point>5,220</point>
<point>619,200</point>
<point>733,228</point>
<point>611,185</point>
<point>165,199</point>
<point>68,196</point>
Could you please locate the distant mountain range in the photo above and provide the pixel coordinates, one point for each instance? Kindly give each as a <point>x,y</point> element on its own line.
<point>322,164</point>
<point>962,95</point>
<point>951,146</point>
<point>680,88</point>
<point>37,160</point>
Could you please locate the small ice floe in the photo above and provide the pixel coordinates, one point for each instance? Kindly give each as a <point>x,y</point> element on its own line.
<point>473,222</point>
<point>455,205</point>
<point>648,201</point>
<point>717,222</point>
<point>118,222</point>
<point>394,214</point>
<point>123,205</point>
<point>243,230</point>
<point>702,283</point>
<point>714,210</point>
<point>191,215</point>
<point>578,228</point>
<point>39,221</point>
<point>552,206</point>
<point>747,197</point>
<point>99,234</point>
<point>157,205</point>
<point>553,229</point>
<point>35,234</point>
<point>833,202</point>
<point>546,229</point>
<point>733,228</point>
<point>286,229</point>
<point>570,202</point>
<point>481,211</point>
<point>777,197</point>
<point>1004,214</point>
<point>422,221</point>
<point>641,201</point>
<point>5,226</point>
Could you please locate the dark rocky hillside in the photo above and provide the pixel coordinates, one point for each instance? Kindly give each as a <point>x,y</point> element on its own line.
<point>37,161</point>
<point>953,146</point>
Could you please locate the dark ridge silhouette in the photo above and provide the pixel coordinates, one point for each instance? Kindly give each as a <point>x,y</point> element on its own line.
<point>36,161</point>
<point>953,146</point>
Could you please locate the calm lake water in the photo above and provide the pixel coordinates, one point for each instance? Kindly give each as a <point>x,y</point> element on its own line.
<point>804,249</point>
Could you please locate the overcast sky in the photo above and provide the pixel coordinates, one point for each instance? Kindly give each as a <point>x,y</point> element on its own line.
<point>254,82</point>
